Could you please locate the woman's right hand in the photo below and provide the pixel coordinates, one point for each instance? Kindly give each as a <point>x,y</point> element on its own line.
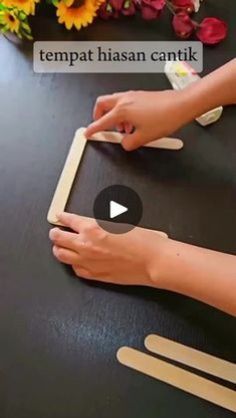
<point>143,116</point>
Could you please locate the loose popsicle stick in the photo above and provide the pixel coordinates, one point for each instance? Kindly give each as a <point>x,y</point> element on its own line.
<point>66,180</point>
<point>177,377</point>
<point>191,357</point>
<point>173,144</point>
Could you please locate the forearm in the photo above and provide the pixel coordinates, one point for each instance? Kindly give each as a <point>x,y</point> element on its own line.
<point>202,274</point>
<point>215,89</point>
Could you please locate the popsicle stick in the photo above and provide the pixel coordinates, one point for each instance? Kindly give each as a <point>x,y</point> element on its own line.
<point>177,377</point>
<point>116,138</point>
<point>86,218</point>
<point>191,357</point>
<point>66,180</point>
<point>67,177</point>
<point>171,144</point>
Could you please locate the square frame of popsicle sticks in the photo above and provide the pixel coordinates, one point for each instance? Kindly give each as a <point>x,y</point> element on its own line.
<point>71,167</point>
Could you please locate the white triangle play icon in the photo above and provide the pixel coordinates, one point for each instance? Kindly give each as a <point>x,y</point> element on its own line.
<point>116,209</point>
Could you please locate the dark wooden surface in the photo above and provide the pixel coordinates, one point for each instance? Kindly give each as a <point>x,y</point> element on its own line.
<point>59,335</point>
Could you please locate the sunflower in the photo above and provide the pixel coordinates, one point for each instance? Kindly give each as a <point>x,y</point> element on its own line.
<point>77,12</point>
<point>27,6</point>
<point>9,21</point>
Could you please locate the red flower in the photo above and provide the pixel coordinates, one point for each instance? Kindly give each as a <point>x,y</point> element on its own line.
<point>183,5</point>
<point>116,4</point>
<point>151,9</point>
<point>114,8</point>
<point>128,8</point>
<point>156,4</point>
<point>212,30</point>
<point>148,13</point>
<point>106,11</point>
<point>183,25</point>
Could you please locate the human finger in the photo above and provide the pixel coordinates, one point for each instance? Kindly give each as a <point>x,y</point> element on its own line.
<point>65,256</point>
<point>64,239</point>
<point>75,222</point>
<point>132,141</point>
<point>81,272</point>
<point>103,105</point>
<point>108,121</point>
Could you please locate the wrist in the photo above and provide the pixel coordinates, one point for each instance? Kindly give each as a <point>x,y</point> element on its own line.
<point>170,266</point>
<point>159,265</point>
<point>185,106</point>
<point>192,102</point>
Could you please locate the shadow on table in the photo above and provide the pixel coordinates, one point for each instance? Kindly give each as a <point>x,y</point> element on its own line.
<point>189,309</point>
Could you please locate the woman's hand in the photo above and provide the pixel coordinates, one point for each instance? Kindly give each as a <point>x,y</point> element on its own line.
<point>95,254</point>
<point>142,257</point>
<point>143,116</point>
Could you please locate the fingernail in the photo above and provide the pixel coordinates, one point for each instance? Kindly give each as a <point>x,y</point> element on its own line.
<point>52,233</point>
<point>54,250</point>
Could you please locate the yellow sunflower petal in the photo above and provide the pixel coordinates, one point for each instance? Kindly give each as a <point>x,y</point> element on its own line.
<point>77,25</point>
<point>68,23</point>
<point>77,16</point>
<point>27,6</point>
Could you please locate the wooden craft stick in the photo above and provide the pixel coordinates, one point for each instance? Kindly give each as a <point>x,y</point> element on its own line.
<point>86,218</point>
<point>67,177</point>
<point>116,138</point>
<point>177,377</point>
<point>191,357</point>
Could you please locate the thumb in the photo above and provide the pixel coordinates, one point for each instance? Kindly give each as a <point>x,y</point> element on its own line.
<point>132,141</point>
<point>108,121</point>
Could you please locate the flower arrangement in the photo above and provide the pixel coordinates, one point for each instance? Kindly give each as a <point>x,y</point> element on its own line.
<point>14,15</point>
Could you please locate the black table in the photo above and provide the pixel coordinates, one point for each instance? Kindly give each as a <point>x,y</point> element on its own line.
<point>59,335</point>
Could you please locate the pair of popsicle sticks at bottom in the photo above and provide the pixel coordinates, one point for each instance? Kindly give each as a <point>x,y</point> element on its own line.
<point>180,378</point>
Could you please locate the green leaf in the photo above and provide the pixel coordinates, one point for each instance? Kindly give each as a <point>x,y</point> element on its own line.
<point>2,7</point>
<point>22,16</point>
<point>26,27</point>
<point>4,29</point>
<point>53,2</point>
<point>27,36</point>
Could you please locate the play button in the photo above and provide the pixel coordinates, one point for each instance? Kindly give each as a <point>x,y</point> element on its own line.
<point>117,209</point>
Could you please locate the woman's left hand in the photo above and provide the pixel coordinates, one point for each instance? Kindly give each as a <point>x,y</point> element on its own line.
<point>96,254</point>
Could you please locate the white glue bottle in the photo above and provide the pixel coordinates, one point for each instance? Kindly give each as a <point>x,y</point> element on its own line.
<point>181,74</point>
